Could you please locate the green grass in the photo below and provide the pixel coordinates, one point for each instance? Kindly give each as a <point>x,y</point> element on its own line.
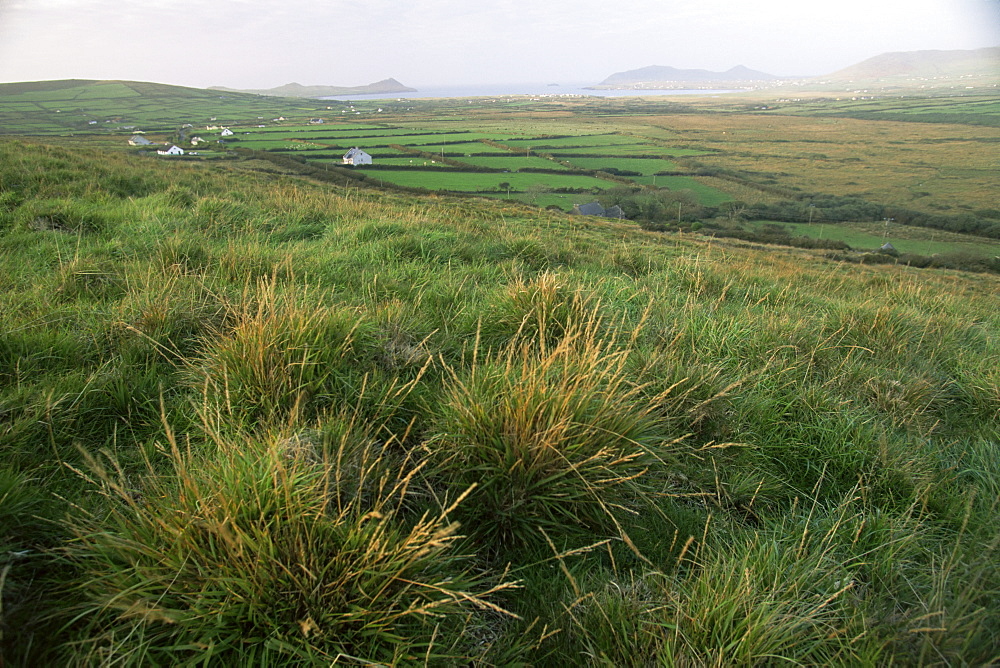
<point>512,162</point>
<point>150,105</point>
<point>706,195</point>
<point>474,182</point>
<point>964,107</point>
<point>646,167</point>
<point>542,143</point>
<point>629,149</point>
<point>253,419</point>
<point>870,236</point>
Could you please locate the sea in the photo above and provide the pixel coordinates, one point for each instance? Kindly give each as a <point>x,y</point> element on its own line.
<point>533,89</point>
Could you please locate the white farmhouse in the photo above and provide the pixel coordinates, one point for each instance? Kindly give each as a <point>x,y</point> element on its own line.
<point>226,132</point>
<point>357,157</point>
<point>170,150</point>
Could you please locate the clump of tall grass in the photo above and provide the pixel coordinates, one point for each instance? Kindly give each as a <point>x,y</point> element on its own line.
<point>277,355</point>
<point>837,585</point>
<point>290,548</point>
<point>544,308</point>
<point>556,438</point>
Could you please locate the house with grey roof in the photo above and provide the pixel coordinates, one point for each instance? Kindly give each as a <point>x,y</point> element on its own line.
<point>357,157</point>
<point>590,209</point>
<point>595,209</point>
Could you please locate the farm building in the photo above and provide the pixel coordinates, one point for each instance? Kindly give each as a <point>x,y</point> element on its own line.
<point>357,157</point>
<point>595,209</point>
<point>226,132</point>
<point>170,150</point>
<point>138,140</point>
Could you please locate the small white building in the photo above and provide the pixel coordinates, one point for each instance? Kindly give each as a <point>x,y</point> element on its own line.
<point>226,132</point>
<point>357,157</point>
<point>170,150</point>
<point>139,140</point>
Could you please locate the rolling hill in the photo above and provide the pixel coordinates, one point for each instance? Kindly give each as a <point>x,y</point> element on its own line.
<point>298,90</point>
<point>923,64</point>
<point>649,77</point>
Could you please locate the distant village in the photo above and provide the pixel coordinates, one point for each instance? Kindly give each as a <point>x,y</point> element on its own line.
<point>354,157</point>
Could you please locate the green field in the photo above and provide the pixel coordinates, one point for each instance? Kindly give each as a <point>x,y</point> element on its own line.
<point>645,166</point>
<point>972,108</point>
<point>630,149</point>
<point>405,161</point>
<point>310,131</point>
<point>456,150</point>
<point>905,239</point>
<point>542,143</point>
<point>153,107</point>
<point>477,182</point>
<point>510,162</point>
<point>283,144</point>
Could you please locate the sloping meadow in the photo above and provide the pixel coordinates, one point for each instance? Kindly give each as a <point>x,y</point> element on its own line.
<point>255,420</point>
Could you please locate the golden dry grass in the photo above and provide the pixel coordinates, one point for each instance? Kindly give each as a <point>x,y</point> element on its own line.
<point>923,165</point>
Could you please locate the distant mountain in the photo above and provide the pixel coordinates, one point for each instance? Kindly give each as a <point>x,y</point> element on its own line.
<point>923,64</point>
<point>646,77</point>
<point>298,90</point>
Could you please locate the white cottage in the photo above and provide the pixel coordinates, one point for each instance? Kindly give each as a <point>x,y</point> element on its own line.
<point>357,157</point>
<point>226,132</point>
<point>170,150</point>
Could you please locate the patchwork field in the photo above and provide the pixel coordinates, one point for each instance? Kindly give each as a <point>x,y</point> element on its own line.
<point>720,151</point>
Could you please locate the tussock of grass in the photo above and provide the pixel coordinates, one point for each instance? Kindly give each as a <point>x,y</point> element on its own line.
<point>290,550</point>
<point>554,437</point>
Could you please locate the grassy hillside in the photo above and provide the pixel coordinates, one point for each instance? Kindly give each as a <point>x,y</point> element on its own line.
<point>255,420</point>
<point>924,64</point>
<point>75,105</point>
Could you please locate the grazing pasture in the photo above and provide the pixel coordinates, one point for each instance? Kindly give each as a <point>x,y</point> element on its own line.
<point>644,166</point>
<point>510,162</point>
<point>905,239</point>
<point>457,181</point>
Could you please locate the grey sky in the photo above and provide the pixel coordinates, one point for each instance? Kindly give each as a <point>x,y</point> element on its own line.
<point>260,43</point>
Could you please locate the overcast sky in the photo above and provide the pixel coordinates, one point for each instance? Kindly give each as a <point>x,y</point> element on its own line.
<point>266,43</point>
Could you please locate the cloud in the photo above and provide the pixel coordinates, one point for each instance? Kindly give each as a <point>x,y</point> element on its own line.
<point>257,43</point>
